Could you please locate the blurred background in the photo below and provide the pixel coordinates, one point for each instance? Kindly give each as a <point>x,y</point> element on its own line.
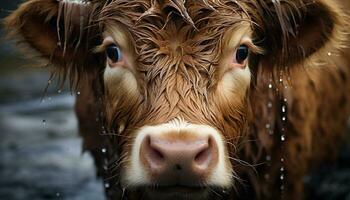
<point>40,151</point>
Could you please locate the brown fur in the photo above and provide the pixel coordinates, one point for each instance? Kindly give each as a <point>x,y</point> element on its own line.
<point>180,78</point>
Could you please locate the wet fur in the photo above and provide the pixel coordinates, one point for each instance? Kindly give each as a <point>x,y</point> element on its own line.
<point>317,96</point>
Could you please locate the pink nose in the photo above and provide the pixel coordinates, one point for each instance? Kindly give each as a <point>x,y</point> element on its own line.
<point>179,160</point>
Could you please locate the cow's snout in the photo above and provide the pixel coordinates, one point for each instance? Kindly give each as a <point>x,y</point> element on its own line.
<point>178,154</point>
<point>179,160</point>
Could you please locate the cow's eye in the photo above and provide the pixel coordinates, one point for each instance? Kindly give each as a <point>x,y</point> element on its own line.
<point>113,53</point>
<point>242,54</point>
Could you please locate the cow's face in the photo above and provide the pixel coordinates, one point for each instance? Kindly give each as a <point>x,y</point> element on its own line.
<point>177,91</point>
<point>176,76</point>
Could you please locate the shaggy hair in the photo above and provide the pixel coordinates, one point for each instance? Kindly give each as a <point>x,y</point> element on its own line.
<point>180,82</point>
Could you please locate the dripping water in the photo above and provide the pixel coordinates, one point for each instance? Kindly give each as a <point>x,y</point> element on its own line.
<point>283,133</point>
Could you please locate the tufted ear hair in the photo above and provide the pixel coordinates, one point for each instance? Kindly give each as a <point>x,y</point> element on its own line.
<point>60,31</point>
<point>294,30</point>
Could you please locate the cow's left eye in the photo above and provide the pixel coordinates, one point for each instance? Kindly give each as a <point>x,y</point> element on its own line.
<point>242,54</point>
<point>113,53</point>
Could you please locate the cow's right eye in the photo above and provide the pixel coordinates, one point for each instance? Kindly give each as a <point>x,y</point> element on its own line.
<point>113,53</point>
<point>242,54</point>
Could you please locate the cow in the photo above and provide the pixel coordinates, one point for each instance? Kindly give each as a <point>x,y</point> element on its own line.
<point>199,99</point>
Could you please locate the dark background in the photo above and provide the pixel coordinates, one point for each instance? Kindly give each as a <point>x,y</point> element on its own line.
<point>40,152</point>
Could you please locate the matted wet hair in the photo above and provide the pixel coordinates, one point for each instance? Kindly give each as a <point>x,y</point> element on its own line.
<point>70,31</point>
<point>78,25</point>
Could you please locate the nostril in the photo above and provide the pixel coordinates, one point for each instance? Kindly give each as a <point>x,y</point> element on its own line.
<point>156,154</point>
<point>153,155</point>
<point>206,156</point>
<point>203,156</point>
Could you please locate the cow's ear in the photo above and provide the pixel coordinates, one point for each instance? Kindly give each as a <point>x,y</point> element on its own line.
<point>60,31</point>
<point>292,31</point>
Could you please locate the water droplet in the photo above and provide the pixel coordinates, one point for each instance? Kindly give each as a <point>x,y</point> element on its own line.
<point>283,118</point>
<point>104,150</point>
<point>58,194</point>
<point>44,122</point>
<point>282,177</point>
<point>59,91</point>
<point>283,138</point>
<point>282,187</point>
<point>282,160</point>
<point>285,99</point>
<point>269,104</point>
<point>270,85</point>
<point>281,80</point>
<point>105,167</point>
<point>329,53</point>
<point>282,169</point>
<point>107,185</point>
<point>283,109</point>
<point>123,192</point>
<point>268,158</point>
<point>49,82</point>
<point>78,93</point>
<point>268,126</point>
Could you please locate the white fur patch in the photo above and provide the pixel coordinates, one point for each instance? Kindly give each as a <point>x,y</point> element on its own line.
<point>135,174</point>
<point>235,82</point>
<point>120,81</point>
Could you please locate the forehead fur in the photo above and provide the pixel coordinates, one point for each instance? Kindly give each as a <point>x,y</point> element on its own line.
<point>176,36</point>
<point>206,18</point>
<point>178,47</point>
<point>196,23</point>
